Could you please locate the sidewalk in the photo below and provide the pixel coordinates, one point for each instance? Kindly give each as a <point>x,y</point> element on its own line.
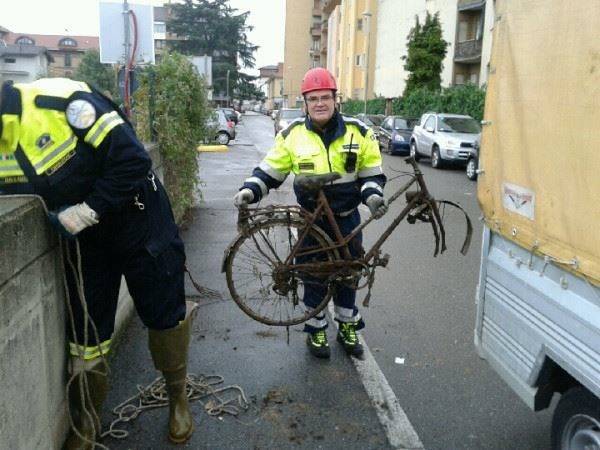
<point>296,400</point>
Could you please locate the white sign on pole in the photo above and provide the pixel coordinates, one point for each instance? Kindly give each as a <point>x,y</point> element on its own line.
<point>204,66</point>
<point>112,33</point>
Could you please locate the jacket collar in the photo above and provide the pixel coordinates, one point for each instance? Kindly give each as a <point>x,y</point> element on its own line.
<point>333,129</point>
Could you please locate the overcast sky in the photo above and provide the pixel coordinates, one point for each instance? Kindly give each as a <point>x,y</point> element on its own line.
<point>80,17</point>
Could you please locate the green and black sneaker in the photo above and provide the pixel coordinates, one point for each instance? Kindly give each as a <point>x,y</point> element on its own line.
<point>349,340</point>
<point>318,345</point>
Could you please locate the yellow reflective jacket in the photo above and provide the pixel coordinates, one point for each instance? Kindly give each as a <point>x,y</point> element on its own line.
<point>53,142</point>
<point>347,146</point>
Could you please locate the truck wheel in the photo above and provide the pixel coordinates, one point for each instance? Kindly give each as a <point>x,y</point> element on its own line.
<point>576,421</point>
<point>472,169</point>
<point>436,159</point>
<point>413,151</point>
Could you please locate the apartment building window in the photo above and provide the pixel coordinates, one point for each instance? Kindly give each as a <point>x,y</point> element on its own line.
<point>359,24</point>
<point>68,42</point>
<point>360,59</point>
<point>10,60</point>
<point>24,40</point>
<point>160,27</point>
<point>68,61</point>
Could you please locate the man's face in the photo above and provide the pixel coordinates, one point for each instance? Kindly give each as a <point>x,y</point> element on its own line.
<point>321,106</point>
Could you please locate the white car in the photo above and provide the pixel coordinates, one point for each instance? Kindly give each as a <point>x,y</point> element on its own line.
<point>445,138</point>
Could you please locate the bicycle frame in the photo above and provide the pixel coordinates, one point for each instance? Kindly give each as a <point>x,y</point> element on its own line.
<point>421,197</point>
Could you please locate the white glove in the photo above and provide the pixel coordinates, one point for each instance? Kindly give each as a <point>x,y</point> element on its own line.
<point>377,205</point>
<point>77,218</point>
<point>243,197</point>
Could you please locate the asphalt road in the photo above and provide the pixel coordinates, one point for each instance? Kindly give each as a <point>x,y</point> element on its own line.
<point>423,310</point>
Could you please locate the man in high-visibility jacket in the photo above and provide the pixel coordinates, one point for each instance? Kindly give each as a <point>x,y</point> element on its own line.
<point>71,145</point>
<point>326,142</point>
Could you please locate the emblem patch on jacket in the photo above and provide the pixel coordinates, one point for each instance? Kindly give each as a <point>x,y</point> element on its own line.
<point>44,141</point>
<point>81,114</point>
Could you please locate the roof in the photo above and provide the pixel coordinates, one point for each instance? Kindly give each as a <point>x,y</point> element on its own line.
<point>50,41</point>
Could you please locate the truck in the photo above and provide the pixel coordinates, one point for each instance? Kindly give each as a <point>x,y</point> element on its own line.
<point>538,294</point>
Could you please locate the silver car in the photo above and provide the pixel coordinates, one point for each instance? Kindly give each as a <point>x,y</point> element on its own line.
<point>285,117</point>
<point>445,138</point>
<point>223,128</point>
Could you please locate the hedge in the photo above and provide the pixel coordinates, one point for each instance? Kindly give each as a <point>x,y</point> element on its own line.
<point>465,99</point>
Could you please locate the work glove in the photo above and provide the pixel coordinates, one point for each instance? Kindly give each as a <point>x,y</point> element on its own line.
<point>377,205</point>
<point>243,197</point>
<point>71,220</point>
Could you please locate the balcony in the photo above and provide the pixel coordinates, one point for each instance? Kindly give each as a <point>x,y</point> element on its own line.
<point>470,5</point>
<point>329,5</point>
<point>468,51</point>
<point>315,30</point>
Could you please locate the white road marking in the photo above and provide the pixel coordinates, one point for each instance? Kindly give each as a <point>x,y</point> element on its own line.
<point>398,429</point>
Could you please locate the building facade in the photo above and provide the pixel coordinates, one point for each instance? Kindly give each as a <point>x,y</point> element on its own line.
<point>298,41</point>
<point>466,26</point>
<point>23,63</point>
<point>355,48</point>
<point>273,76</point>
<point>65,51</point>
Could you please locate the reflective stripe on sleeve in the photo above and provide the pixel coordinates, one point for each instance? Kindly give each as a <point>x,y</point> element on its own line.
<point>370,172</point>
<point>261,184</point>
<point>89,352</point>
<point>273,173</point>
<point>371,185</point>
<point>102,127</point>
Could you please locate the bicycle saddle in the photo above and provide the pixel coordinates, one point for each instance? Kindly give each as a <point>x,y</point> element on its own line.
<point>313,183</point>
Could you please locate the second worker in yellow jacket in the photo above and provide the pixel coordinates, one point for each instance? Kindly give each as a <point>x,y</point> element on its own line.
<point>326,142</point>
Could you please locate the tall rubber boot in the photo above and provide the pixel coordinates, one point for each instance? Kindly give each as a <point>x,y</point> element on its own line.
<point>87,423</point>
<point>169,349</point>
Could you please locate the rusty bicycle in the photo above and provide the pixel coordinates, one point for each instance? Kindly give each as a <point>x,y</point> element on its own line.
<point>280,250</point>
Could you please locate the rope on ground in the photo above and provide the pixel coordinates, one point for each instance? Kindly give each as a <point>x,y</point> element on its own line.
<point>217,401</point>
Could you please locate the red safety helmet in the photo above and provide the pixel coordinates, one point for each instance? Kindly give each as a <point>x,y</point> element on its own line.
<point>317,79</point>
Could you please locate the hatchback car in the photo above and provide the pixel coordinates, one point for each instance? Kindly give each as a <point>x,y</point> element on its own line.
<point>223,128</point>
<point>285,117</point>
<point>231,114</point>
<point>395,133</point>
<point>445,138</point>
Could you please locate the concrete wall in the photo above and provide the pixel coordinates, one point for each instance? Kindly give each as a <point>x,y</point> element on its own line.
<point>33,349</point>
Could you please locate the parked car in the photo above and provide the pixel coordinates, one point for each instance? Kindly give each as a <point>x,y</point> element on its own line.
<point>368,122</point>
<point>224,128</point>
<point>395,133</point>
<point>287,116</point>
<point>231,114</point>
<point>473,162</point>
<point>375,119</point>
<point>445,138</point>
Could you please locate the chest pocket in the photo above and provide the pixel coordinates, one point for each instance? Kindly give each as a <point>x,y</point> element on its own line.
<point>308,159</point>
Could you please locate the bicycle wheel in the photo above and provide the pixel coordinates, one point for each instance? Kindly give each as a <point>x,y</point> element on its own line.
<point>260,282</point>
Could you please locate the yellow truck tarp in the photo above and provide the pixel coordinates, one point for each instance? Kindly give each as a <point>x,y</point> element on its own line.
<point>540,149</point>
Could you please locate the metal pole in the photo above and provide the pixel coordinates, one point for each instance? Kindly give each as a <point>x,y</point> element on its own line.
<point>228,102</point>
<point>126,44</point>
<point>367,27</point>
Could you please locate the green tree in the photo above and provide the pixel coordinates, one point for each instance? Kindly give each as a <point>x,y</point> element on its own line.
<point>92,71</point>
<point>214,28</point>
<point>178,97</point>
<point>426,51</point>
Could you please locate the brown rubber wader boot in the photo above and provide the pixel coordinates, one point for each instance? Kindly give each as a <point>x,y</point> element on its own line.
<point>169,349</point>
<point>86,414</point>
